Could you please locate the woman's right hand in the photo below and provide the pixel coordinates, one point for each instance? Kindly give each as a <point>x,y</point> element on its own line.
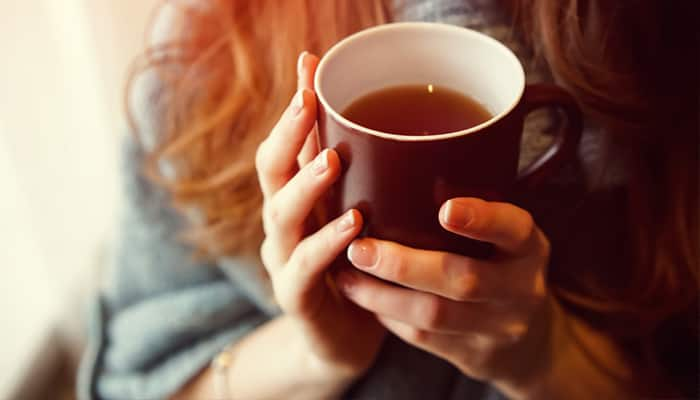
<point>340,337</point>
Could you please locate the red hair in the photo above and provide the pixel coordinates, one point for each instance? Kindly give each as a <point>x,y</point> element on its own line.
<point>227,73</point>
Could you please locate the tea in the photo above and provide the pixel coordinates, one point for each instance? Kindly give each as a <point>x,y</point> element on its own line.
<point>416,110</point>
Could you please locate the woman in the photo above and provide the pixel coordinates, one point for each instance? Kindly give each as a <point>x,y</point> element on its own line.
<point>593,293</point>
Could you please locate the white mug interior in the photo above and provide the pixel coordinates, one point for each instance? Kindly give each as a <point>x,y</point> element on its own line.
<point>420,53</point>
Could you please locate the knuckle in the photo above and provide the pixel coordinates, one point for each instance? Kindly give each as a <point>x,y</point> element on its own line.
<point>308,169</point>
<point>267,228</point>
<point>273,214</point>
<point>302,257</point>
<point>433,312</point>
<point>463,282</point>
<point>265,253</point>
<point>525,229</point>
<point>324,239</point>
<point>395,265</point>
<point>416,335</point>
<point>514,332</point>
<point>261,157</point>
<point>465,287</point>
<point>266,208</point>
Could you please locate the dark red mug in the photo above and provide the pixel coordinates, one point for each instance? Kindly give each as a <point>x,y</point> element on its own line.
<point>399,182</point>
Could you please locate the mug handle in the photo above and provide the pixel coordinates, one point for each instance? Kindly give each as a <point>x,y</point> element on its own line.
<point>566,139</point>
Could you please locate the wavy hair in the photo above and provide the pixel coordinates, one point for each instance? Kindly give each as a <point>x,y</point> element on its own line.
<point>226,73</point>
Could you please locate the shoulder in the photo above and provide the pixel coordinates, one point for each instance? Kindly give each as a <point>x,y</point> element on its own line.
<point>148,256</point>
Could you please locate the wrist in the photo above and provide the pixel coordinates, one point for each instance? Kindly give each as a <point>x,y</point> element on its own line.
<point>325,359</point>
<point>533,358</point>
<point>328,376</point>
<point>572,351</point>
<point>328,373</point>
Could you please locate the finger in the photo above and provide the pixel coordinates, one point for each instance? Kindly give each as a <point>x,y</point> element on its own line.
<point>310,150</point>
<point>276,159</point>
<point>306,69</point>
<point>444,274</point>
<point>315,254</point>
<point>469,353</point>
<point>286,211</point>
<point>419,309</point>
<point>440,344</point>
<point>508,227</point>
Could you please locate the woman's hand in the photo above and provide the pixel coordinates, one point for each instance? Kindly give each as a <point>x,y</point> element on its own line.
<point>487,317</point>
<point>342,338</point>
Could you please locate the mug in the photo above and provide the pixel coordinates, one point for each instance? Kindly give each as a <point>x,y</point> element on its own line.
<point>398,182</point>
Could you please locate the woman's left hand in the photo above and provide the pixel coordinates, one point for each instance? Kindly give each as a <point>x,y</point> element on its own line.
<point>486,317</point>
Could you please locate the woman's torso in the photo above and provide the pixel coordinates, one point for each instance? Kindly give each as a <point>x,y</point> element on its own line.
<point>401,371</point>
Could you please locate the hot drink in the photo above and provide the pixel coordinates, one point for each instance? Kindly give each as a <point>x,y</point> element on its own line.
<point>416,110</point>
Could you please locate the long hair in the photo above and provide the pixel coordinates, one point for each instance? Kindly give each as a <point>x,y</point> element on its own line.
<point>632,66</point>
<point>226,73</point>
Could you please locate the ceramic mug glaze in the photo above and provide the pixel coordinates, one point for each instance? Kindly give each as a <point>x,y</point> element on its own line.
<point>399,182</point>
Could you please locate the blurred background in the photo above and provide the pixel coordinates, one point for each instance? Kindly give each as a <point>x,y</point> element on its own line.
<point>62,74</point>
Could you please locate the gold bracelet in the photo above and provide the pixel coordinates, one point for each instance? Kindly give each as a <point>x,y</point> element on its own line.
<point>220,365</point>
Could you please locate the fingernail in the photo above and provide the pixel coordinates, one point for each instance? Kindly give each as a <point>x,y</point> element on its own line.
<point>298,103</point>
<point>300,62</point>
<point>457,214</point>
<point>363,253</point>
<point>320,164</point>
<point>347,222</point>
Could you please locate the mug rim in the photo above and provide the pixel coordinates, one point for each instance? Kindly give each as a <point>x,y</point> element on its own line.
<point>406,25</point>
